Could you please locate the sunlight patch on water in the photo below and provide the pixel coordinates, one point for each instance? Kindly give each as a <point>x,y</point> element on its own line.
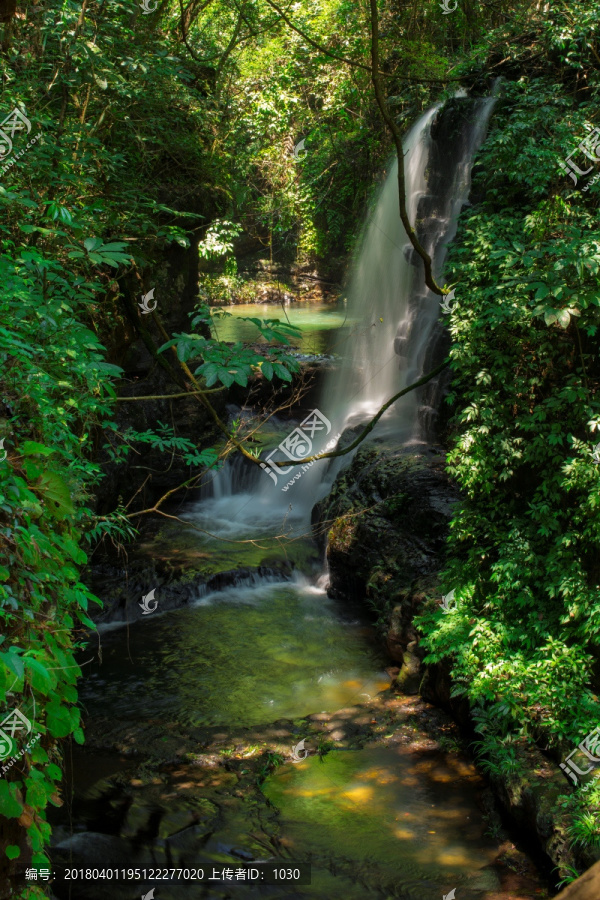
<point>356,806</point>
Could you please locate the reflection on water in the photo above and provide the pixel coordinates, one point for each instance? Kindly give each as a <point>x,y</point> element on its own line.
<point>245,655</point>
<point>325,327</point>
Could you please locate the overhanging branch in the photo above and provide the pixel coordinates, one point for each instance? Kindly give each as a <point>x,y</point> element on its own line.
<point>334,453</point>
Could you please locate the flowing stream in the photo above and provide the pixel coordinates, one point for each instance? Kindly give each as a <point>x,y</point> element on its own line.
<point>246,662</point>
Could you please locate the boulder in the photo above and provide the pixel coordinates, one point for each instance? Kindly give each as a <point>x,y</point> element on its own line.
<point>388,515</point>
<point>585,888</point>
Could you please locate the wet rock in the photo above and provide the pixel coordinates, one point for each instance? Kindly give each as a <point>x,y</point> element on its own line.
<point>388,517</point>
<point>409,677</point>
<point>138,820</point>
<point>91,849</point>
<point>122,590</point>
<point>243,854</point>
<point>176,820</point>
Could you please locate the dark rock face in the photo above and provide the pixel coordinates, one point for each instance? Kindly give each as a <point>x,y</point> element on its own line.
<point>122,589</point>
<point>143,476</point>
<point>146,474</point>
<point>387,519</point>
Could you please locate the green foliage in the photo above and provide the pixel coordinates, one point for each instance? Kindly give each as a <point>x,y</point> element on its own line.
<point>272,761</point>
<point>166,439</point>
<point>526,397</point>
<point>55,392</point>
<point>571,875</point>
<point>235,363</point>
<point>149,137</point>
<point>219,239</point>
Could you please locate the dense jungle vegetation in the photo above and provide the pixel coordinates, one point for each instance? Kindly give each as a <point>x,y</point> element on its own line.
<point>176,126</point>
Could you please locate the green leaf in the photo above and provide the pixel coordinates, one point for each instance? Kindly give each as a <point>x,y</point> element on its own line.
<point>32,448</point>
<point>225,378</point>
<point>54,772</point>
<point>41,679</point>
<point>56,495</point>
<point>14,661</point>
<point>12,851</point>
<point>10,806</point>
<point>59,719</point>
<point>116,245</point>
<point>282,372</point>
<point>75,552</point>
<point>37,792</point>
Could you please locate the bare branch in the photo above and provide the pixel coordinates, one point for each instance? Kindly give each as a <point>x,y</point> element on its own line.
<point>334,453</point>
<point>169,396</point>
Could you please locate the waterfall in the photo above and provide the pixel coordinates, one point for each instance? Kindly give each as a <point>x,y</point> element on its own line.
<point>399,337</point>
<point>379,290</point>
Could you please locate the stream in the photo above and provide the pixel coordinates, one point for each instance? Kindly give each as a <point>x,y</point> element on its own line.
<point>194,715</point>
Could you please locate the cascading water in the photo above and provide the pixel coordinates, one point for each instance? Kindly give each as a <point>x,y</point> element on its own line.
<point>379,290</point>
<point>400,328</point>
<point>397,335</point>
<point>259,645</point>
